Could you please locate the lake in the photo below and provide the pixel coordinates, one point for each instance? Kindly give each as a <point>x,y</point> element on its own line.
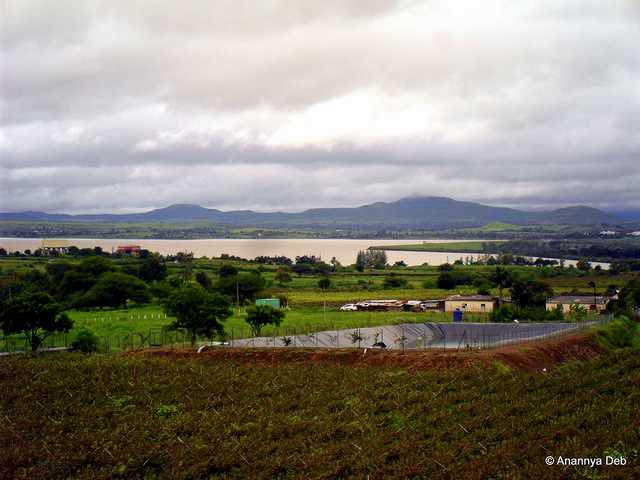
<point>344,250</point>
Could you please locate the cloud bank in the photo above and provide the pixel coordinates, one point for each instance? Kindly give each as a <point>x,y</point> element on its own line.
<point>126,106</point>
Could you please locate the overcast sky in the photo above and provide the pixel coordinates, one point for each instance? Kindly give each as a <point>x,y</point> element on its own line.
<point>128,105</point>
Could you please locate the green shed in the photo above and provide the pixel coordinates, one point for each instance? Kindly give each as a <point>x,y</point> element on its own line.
<point>272,302</point>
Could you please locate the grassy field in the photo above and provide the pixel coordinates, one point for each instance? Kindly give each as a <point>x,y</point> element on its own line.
<point>473,246</point>
<point>112,416</point>
<point>117,328</point>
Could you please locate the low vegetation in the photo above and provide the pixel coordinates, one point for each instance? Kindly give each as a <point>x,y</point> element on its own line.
<point>112,416</point>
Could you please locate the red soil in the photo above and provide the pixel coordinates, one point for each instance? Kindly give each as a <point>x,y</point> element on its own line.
<point>526,357</point>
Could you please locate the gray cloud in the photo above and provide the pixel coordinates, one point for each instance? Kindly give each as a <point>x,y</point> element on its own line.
<point>287,105</point>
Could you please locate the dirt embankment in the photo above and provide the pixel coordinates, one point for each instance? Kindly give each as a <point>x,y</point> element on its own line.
<point>525,357</point>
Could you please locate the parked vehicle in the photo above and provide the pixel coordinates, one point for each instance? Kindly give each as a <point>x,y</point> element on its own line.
<point>349,307</point>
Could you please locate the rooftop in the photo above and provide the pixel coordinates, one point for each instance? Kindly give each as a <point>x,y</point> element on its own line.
<point>579,299</point>
<point>471,298</point>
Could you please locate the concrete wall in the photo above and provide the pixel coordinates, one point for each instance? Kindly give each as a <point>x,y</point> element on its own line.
<point>566,307</point>
<point>469,306</point>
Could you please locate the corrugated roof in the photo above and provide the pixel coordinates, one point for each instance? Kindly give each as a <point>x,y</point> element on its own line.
<point>578,299</point>
<point>470,298</point>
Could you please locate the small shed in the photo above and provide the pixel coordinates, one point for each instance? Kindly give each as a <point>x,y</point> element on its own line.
<point>272,302</point>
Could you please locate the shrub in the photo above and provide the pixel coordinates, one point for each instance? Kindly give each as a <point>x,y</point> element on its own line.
<point>394,282</point>
<point>86,341</point>
<point>502,314</point>
<point>621,332</point>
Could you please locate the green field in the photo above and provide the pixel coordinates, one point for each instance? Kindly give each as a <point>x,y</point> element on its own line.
<point>121,329</point>
<point>112,416</point>
<point>474,246</point>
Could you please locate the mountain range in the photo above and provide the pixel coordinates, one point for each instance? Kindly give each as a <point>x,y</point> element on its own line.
<point>411,212</point>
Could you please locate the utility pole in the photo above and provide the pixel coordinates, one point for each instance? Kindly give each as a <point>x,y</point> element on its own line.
<point>237,295</point>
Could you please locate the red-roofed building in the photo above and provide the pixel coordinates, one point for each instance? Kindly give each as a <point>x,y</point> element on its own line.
<point>129,250</point>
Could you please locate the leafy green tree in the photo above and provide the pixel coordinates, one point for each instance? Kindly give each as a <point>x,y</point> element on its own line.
<point>577,312</point>
<point>502,279</point>
<point>114,290</point>
<point>197,311</point>
<point>335,264</point>
<point>244,287</point>
<point>203,279</point>
<point>227,270</point>
<point>75,281</point>
<point>96,266</point>
<point>583,265</point>
<point>482,285</point>
<point>446,280</point>
<point>258,316</point>
<point>376,259</point>
<point>153,269</point>
<point>529,293</point>
<point>282,276</point>
<point>324,283</point>
<point>35,314</point>
<point>630,295</point>
<point>361,261</point>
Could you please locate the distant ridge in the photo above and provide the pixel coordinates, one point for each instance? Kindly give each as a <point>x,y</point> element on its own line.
<point>410,212</point>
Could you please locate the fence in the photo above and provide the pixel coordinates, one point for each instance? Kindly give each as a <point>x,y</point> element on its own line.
<point>421,336</point>
<point>406,336</point>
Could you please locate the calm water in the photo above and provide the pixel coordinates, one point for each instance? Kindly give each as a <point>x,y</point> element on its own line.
<point>344,250</point>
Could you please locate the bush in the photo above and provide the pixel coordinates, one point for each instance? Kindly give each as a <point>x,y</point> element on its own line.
<point>621,332</point>
<point>86,341</point>
<point>394,282</point>
<point>502,314</point>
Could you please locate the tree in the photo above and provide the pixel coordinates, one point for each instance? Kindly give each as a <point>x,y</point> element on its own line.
<point>335,264</point>
<point>197,311</point>
<point>378,258</point>
<point>114,290</point>
<point>324,283</point>
<point>577,312</point>
<point>203,279</point>
<point>502,279</point>
<point>153,268</point>
<point>583,265</point>
<point>96,266</point>
<point>529,293</point>
<point>371,259</point>
<point>227,270</point>
<point>482,285</point>
<point>34,314</point>
<point>259,316</point>
<point>282,276</point>
<point>243,287</point>
<point>361,261</point>
<point>446,281</point>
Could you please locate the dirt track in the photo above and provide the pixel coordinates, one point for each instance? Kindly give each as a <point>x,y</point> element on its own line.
<point>530,357</point>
